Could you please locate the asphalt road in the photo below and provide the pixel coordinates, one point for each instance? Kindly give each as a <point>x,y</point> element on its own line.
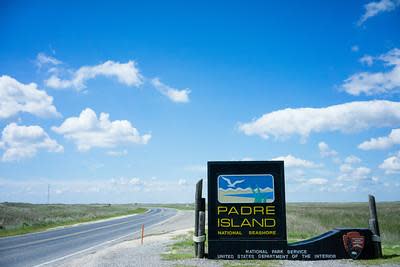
<point>43,248</point>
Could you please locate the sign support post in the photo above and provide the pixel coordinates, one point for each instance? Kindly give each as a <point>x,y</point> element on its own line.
<point>199,223</point>
<point>374,226</point>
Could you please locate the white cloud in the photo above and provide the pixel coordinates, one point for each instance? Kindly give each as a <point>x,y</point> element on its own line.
<point>183,182</point>
<point>88,131</point>
<point>391,165</point>
<point>355,48</point>
<point>117,153</point>
<point>346,118</point>
<point>316,181</point>
<point>126,73</point>
<point>16,97</point>
<point>350,173</point>
<point>353,174</point>
<point>43,59</point>
<point>20,142</point>
<point>117,190</point>
<point>382,142</point>
<point>291,161</point>
<point>128,184</point>
<point>367,60</point>
<point>370,83</point>
<point>325,150</point>
<point>135,181</point>
<point>352,160</point>
<point>179,96</point>
<point>374,8</point>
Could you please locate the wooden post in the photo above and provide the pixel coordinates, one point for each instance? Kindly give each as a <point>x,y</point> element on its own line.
<point>201,233</point>
<point>197,207</point>
<point>374,226</point>
<point>142,234</point>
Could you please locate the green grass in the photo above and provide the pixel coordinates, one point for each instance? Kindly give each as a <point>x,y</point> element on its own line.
<point>391,255</point>
<point>22,218</point>
<point>181,249</point>
<point>306,220</point>
<point>178,206</point>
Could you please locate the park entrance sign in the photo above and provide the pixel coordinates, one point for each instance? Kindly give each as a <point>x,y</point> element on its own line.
<point>246,206</point>
<point>247,218</point>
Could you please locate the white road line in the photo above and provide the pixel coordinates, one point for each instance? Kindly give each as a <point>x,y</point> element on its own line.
<point>95,246</point>
<point>84,250</point>
<point>67,235</point>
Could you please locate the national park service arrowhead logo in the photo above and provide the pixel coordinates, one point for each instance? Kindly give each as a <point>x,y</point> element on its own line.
<point>353,244</point>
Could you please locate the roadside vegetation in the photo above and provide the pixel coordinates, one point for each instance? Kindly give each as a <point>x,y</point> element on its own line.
<point>182,248</point>
<point>178,206</point>
<point>22,218</point>
<point>306,220</point>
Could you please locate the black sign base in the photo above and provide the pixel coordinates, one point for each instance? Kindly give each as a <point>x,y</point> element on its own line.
<point>336,244</point>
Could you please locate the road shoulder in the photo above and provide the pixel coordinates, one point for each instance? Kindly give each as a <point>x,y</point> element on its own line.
<point>130,252</point>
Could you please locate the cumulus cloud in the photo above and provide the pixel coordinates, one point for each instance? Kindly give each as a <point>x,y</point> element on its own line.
<point>326,151</point>
<point>374,8</point>
<point>126,73</point>
<point>352,160</point>
<point>43,59</point>
<point>116,190</point>
<point>351,173</point>
<point>316,181</point>
<point>382,142</point>
<point>391,165</point>
<point>117,153</point>
<point>20,142</point>
<point>291,161</point>
<point>346,118</point>
<point>354,175</point>
<point>135,181</point>
<point>122,181</point>
<point>367,60</point>
<point>370,83</point>
<point>179,96</point>
<point>16,97</point>
<point>183,182</point>
<point>88,131</point>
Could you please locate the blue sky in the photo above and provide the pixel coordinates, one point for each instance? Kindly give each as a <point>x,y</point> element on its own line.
<point>314,84</point>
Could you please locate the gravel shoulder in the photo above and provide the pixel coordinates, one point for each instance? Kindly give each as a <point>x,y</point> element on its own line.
<point>130,252</point>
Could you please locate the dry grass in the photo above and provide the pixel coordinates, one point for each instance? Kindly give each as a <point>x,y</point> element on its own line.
<point>305,220</point>
<point>20,218</point>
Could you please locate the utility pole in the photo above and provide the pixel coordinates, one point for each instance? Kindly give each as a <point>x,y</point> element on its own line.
<point>48,193</point>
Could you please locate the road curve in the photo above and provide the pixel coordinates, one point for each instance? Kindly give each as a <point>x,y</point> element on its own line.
<point>38,249</point>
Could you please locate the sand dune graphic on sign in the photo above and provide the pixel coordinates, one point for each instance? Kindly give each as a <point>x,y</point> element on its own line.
<point>246,188</point>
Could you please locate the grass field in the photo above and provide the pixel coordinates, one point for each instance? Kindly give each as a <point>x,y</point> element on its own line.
<point>305,220</point>
<point>21,218</point>
<point>172,206</point>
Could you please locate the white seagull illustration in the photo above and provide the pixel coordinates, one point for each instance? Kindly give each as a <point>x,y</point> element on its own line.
<point>230,184</point>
